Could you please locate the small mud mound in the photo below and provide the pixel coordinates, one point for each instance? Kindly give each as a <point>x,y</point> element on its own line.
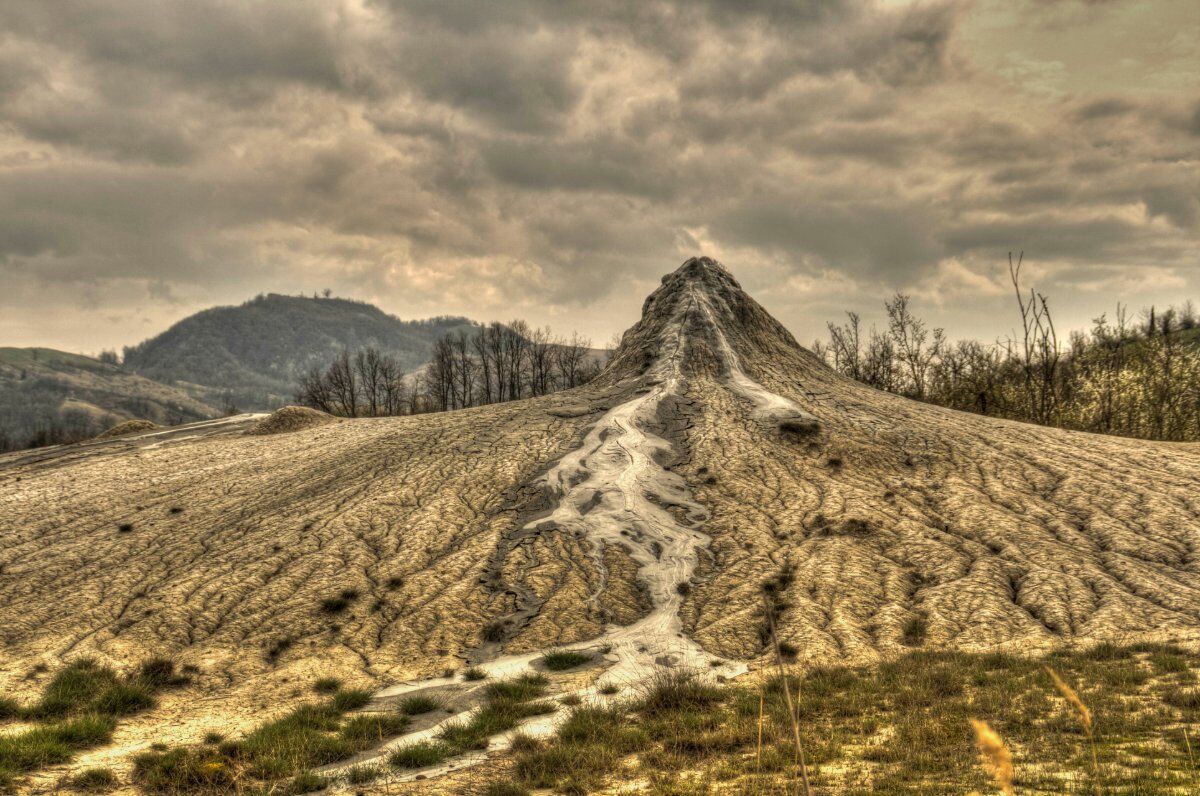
<point>291,418</point>
<point>128,427</point>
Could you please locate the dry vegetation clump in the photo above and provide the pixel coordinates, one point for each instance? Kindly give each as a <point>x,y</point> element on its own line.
<point>128,427</point>
<point>918,724</point>
<point>291,418</point>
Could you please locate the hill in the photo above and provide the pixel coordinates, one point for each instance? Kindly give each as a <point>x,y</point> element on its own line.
<point>53,396</point>
<point>716,502</point>
<point>254,354</point>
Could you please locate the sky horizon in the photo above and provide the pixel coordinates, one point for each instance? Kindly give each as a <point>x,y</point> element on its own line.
<point>551,160</point>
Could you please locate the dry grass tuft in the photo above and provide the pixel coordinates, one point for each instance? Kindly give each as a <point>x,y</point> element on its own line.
<point>994,754</point>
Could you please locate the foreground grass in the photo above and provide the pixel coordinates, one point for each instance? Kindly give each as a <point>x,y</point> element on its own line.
<point>900,727</point>
<point>277,756</point>
<point>506,704</point>
<point>77,710</point>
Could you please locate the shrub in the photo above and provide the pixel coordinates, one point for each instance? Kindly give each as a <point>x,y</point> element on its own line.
<point>561,660</point>
<point>213,738</point>
<point>361,775</point>
<point>474,673</point>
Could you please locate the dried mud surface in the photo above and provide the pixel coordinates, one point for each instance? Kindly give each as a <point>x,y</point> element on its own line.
<point>889,514</point>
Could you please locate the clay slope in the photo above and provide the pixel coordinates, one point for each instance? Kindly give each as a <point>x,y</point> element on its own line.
<point>713,451</point>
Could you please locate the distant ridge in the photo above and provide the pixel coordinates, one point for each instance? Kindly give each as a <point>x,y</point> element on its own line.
<point>253,354</point>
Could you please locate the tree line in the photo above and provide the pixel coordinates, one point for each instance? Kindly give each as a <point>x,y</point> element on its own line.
<point>1130,377</point>
<point>489,364</point>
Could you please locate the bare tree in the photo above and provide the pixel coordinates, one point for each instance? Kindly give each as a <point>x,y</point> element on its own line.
<point>845,346</point>
<point>569,361</point>
<point>915,347</point>
<point>343,386</point>
<point>1040,353</point>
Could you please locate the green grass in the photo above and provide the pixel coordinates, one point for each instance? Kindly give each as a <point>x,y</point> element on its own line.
<point>895,728</point>
<point>422,754</point>
<point>38,747</point>
<point>506,704</point>
<point>474,673</point>
<point>417,705</point>
<point>351,699</point>
<point>95,780</point>
<point>517,689</point>
<point>561,660</point>
<point>279,754</point>
<point>77,709</point>
<point>306,782</point>
<point>361,775</point>
<point>326,685</point>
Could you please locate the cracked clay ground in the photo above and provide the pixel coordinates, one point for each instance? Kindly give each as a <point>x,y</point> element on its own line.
<point>713,450</point>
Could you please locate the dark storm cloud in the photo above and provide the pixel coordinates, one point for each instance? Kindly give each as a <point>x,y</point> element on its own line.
<point>549,151</point>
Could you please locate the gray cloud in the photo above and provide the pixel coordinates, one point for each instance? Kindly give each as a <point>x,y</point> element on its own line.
<point>543,156</point>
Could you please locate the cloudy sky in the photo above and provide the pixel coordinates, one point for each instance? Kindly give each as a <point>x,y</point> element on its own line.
<point>550,159</point>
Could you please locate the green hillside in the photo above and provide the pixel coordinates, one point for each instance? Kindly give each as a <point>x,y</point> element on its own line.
<point>253,354</point>
<point>49,396</point>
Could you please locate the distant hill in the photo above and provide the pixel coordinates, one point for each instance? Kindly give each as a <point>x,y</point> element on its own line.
<point>49,396</point>
<point>252,355</point>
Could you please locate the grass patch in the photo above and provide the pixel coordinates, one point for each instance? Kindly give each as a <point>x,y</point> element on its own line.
<point>902,726</point>
<point>417,705</point>
<point>351,699</point>
<point>77,710</point>
<point>326,685</point>
<point>277,756</point>
<point>36,748</point>
<point>474,673</point>
<point>421,754</point>
<point>306,782</point>
<point>96,780</point>
<point>361,775</point>
<point>913,633</point>
<point>561,660</point>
